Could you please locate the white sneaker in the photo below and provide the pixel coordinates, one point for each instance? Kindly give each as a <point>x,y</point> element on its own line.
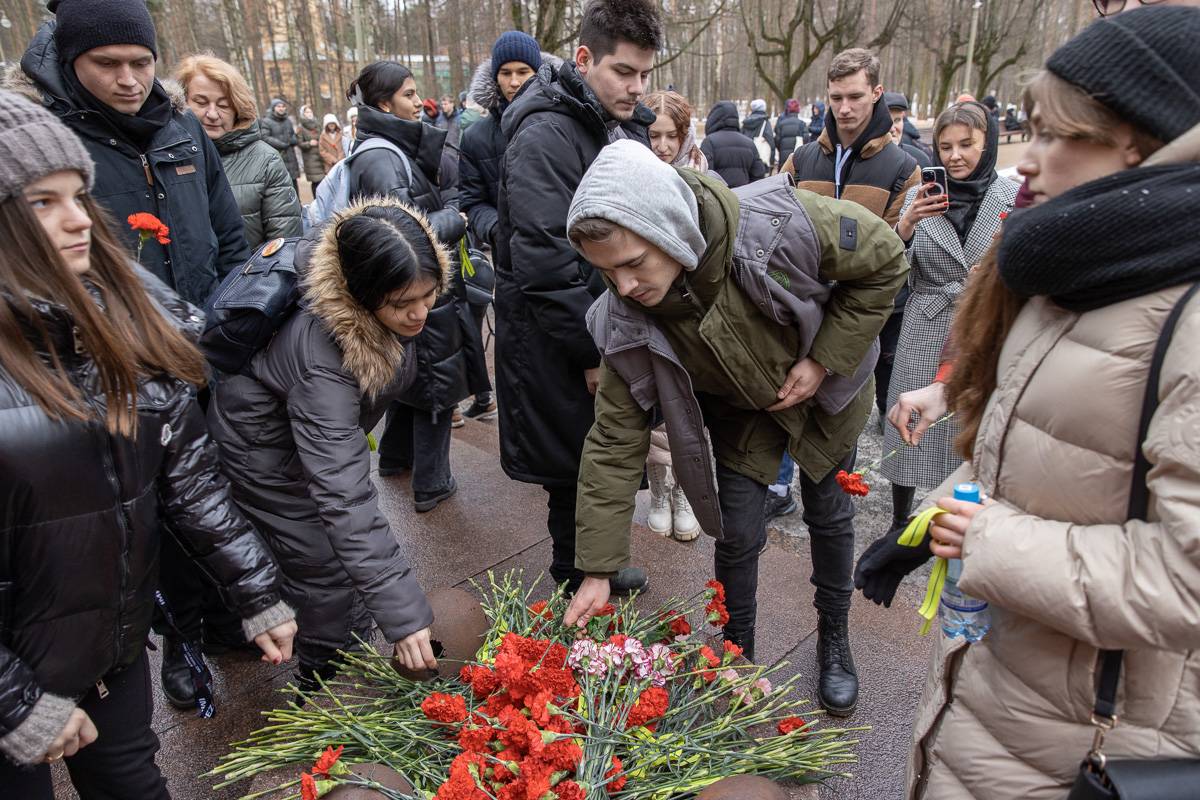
<point>685,523</point>
<point>660,499</point>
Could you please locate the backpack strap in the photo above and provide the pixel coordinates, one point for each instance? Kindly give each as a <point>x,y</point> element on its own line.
<point>379,143</point>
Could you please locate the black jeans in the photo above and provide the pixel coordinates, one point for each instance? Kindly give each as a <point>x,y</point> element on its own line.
<point>829,515</point>
<point>415,438</point>
<point>120,763</point>
<point>560,521</point>
<point>743,519</point>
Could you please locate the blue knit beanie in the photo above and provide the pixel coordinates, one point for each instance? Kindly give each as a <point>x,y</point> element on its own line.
<point>516,46</point>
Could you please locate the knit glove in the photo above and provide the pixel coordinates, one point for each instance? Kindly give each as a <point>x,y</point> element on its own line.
<point>885,563</point>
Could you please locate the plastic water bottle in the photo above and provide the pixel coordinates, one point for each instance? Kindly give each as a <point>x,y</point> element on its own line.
<point>963,616</point>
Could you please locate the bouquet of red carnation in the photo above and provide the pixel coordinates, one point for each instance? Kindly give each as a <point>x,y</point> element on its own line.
<point>634,706</point>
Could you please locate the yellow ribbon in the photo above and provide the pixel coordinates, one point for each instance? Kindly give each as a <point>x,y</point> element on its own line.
<point>913,535</point>
<point>464,259</point>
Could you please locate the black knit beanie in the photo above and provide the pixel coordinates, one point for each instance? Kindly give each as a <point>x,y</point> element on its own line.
<point>1142,65</point>
<point>83,25</point>
<point>515,46</point>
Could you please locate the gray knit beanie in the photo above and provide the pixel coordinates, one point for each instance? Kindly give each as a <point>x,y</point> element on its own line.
<point>1141,64</point>
<point>628,186</point>
<point>33,144</point>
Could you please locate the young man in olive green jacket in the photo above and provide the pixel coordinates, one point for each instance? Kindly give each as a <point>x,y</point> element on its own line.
<point>753,314</point>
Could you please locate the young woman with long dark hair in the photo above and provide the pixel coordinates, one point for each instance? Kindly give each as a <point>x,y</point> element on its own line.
<point>103,447</point>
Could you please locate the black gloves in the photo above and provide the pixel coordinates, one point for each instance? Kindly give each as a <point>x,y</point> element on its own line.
<point>885,563</point>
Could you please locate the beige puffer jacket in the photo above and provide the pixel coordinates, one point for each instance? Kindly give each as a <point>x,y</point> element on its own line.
<point>1064,572</point>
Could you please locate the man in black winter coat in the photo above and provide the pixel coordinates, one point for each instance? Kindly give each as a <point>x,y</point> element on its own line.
<point>730,153</point>
<point>93,66</point>
<point>151,153</point>
<point>790,130</point>
<point>547,365</point>
<point>898,107</point>
<point>280,133</point>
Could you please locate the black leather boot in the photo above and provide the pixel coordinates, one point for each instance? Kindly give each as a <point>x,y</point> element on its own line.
<point>628,580</point>
<point>177,684</point>
<point>838,684</point>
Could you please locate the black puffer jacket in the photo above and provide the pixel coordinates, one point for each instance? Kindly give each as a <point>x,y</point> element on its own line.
<point>189,192</point>
<point>443,349</point>
<point>281,134</point>
<point>789,134</point>
<point>83,515</point>
<point>292,430</point>
<point>730,153</point>
<point>555,128</point>
<point>482,147</point>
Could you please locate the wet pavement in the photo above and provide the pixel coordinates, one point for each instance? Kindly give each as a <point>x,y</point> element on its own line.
<point>494,523</point>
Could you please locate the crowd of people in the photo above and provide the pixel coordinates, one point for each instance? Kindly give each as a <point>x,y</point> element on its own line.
<point>726,320</point>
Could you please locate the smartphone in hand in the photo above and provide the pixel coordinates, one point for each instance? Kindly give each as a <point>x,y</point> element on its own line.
<point>935,175</point>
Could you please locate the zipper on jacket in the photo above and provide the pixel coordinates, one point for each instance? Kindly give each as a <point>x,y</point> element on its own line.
<point>685,292</point>
<point>110,470</point>
<point>146,169</point>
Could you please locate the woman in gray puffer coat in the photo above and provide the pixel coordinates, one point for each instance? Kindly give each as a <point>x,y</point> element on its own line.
<point>221,99</point>
<point>292,429</point>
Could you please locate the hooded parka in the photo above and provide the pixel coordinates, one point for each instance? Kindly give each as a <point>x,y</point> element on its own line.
<point>279,132</point>
<point>261,184</point>
<point>177,177</point>
<point>444,349</point>
<point>555,128</point>
<point>730,153</point>
<point>83,563</point>
<point>292,430</point>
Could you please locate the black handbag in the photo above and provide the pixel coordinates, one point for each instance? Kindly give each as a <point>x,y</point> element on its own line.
<point>1099,778</point>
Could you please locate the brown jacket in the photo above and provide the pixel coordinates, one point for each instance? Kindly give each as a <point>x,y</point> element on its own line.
<point>876,177</point>
<point>1063,570</point>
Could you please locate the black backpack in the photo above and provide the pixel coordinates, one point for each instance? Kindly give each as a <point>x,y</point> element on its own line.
<point>250,305</point>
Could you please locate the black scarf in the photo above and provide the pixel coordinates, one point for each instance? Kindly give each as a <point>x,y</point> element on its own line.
<point>966,195</point>
<point>1112,239</point>
<point>138,129</point>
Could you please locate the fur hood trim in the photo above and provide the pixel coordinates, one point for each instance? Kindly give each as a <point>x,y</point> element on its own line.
<point>486,92</point>
<point>370,352</point>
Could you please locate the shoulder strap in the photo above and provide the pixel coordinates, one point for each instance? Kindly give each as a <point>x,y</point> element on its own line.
<point>379,143</point>
<point>1139,492</point>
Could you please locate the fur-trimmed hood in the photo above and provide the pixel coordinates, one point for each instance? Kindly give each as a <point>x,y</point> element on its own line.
<point>370,352</point>
<point>484,90</point>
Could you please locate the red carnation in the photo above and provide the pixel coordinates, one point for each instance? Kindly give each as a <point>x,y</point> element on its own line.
<point>651,705</point>
<point>448,708</point>
<point>732,651</point>
<point>569,790</point>
<point>617,783</point>
<point>308,787</point>
<point>680,627</point>
<point>790,724</point>
<point>541,609</point>
<point>852,483</point>
<point>327,760</point>
<point>710,658</point>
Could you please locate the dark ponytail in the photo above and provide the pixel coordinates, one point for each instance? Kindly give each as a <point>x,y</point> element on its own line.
<point>383,249</point>
<point>377,82</point>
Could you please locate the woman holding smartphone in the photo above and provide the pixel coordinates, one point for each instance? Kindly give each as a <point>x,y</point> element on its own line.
<point>947,224</point>
<point>103,448</point>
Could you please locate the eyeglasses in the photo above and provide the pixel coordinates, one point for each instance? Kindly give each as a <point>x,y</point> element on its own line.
<point>1109,7</point>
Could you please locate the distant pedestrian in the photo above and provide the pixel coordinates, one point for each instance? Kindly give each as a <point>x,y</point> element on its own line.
<point>105,455</point>
<point>350,132</point>
<point>757,126</point>
<point>898,107</point>
<point>279,132</point>
<point>310,147</point>
<point>331,142</point>
<point>790,130</point>
<point>221,99</point>
<point>730,153</point>
<point>816,124</point>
